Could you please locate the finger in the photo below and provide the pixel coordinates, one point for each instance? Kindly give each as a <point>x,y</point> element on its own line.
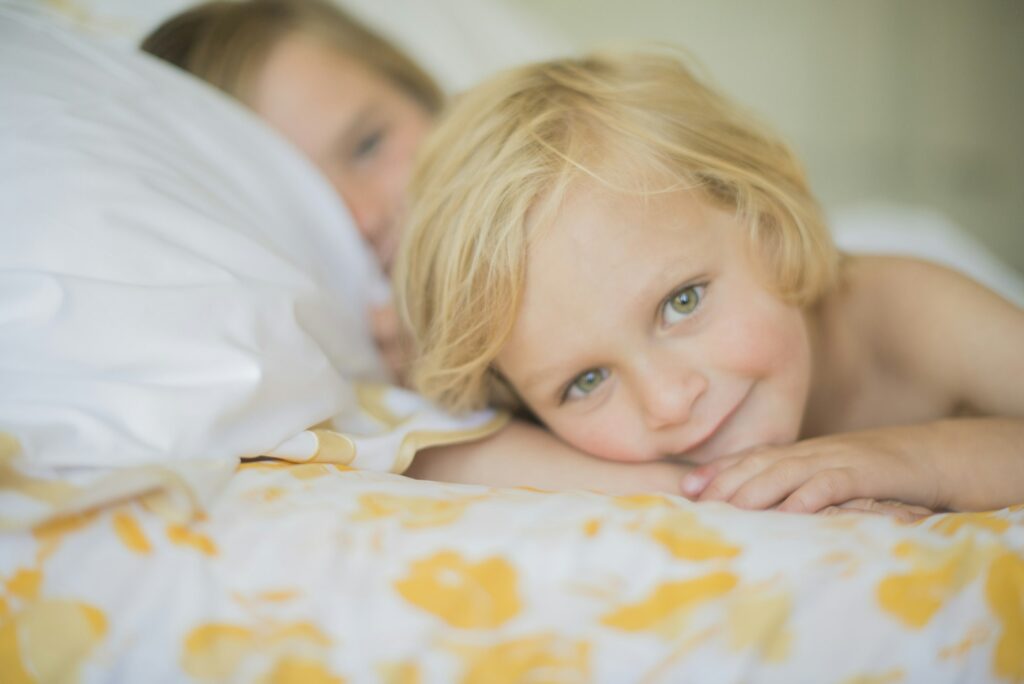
<point>384,322</point>
<point>772,485</point>
<point>396,360</point>
<point>725,484</point>
<point>894,509</point>
<point>861,505</point>
<point>823,489</point>
<point>854,507</point>
<point>694,482</point>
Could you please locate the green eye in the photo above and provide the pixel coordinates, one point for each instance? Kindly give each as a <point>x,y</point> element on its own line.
<point>683,303</point>
<point>585,383</point>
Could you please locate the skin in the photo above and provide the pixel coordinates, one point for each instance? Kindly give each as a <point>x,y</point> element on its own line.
<point>902,384</point>
<point>362,132</point>
<point>916,397</point>
<point>359,129</point>
<point>733,374</point>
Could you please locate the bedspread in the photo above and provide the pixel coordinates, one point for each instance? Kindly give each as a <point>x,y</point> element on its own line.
<point>317,573</point>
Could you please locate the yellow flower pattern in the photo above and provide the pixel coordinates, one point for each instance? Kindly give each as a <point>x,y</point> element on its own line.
<point>541,658</point>
<point>332,570</point>
<point>916,596</point>
<point>669,603</point>
<point>1004,589</point>
<point>412,511</point>
<point>685,537</point>
<point>464,594</point>
<point>324,574</point>
<point>291,652</point>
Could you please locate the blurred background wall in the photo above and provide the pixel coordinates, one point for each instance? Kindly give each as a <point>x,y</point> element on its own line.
<point>907,101</point>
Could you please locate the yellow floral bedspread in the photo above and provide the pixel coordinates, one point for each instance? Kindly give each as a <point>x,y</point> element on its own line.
<point>316,573</point>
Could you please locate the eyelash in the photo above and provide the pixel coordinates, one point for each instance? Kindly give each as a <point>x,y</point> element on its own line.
<point>667,309</point>
<point>369,144</point>
<point>572,383</point>
<point>699,290</point>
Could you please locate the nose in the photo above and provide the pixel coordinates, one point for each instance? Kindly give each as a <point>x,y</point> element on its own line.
<point>668,392</point>
<point>370,214</point>
<point>373,214</point>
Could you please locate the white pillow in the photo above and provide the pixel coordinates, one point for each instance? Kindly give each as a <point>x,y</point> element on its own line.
<point>176,283</point>
<point>886,228</point>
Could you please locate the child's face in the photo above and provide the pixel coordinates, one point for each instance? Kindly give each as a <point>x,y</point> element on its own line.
<point>359,129</point>
<point>644,333</point>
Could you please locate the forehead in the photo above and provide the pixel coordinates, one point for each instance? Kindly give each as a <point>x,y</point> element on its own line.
<point>305,82</point>
<point>595,231</point>
<point>298,57</point>
<point>606,256</point>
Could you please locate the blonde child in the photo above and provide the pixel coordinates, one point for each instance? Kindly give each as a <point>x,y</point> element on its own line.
<point>358,108</point>
<point>613,247</point>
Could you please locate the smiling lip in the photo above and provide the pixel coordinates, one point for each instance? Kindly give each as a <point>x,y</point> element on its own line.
<point>717,428</point>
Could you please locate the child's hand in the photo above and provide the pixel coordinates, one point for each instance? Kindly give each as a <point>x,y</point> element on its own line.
<point>812,475</point>
<point>391,340</point>
<point>899,511</point>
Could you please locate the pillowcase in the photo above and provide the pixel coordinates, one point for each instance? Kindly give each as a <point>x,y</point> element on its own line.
<point>887,228</point>
<point>176,283</point>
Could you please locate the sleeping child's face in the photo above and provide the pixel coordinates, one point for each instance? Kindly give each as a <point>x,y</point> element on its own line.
<point>645,332</point>
<point>359,129</point>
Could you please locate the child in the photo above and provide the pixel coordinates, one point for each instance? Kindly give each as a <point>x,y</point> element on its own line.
<point>354,104</point>
<point>614,247</point>
<point>357,108</point>
<point>349,100</point>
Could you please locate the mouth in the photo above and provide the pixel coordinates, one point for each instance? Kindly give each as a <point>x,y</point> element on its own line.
<point>716,429</point>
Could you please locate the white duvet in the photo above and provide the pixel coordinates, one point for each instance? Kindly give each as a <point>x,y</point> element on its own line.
<point>311,573</point>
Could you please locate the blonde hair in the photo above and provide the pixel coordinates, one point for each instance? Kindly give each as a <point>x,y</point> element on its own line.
<point>501,160</point>
<point>226,44</point>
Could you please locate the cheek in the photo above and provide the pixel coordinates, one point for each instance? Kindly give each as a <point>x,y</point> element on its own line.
<point>355,195</point>
<point>408,136</point>
<point>389,177</point>
<point>764,342</point>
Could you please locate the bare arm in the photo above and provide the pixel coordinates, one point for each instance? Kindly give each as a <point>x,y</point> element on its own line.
<point>966,464</point>
<point>522,455</point>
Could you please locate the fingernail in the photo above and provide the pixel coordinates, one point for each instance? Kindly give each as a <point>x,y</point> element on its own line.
<point>692,484</point>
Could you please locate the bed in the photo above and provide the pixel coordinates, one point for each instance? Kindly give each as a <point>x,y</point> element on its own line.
<point>317,573</point>
<point>201,456</point>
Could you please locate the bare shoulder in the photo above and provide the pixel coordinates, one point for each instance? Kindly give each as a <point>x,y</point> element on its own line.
<point>903,290</point>
<point>936,325</point>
